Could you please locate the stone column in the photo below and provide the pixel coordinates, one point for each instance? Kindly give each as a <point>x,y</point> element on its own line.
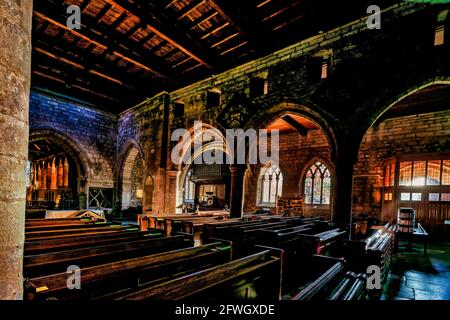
<point>343,184</point>
<point>237,190</point>
<point>15,60</point>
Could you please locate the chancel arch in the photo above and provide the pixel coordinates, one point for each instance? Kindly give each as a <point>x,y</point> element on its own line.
<point>57,172</point>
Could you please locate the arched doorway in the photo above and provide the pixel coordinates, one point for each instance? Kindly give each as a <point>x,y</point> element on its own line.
<point>131,182</point>
<point>57,173</point>
<point>201,182</point>
<point>404,159</point>
<point>149,187</point>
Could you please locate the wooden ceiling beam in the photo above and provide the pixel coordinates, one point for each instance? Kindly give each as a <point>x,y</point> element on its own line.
<point>78,85</point>
<point>119,20</point>
<point>295,125</point>
<point>96,82</point>
<point>201,20</point>
<point>189,8</point>
<point>95,39</point>
<point>78,56</point>
<point>103,12</point>
<point>84,5</point>
<point>224,15</point>
<point>244,16</point>
<point>126,7</point>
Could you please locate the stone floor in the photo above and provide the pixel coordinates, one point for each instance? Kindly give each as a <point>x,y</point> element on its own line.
<point>415,276</point>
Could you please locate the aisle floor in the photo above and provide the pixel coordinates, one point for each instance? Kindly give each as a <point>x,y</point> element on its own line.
<point>415,276</point>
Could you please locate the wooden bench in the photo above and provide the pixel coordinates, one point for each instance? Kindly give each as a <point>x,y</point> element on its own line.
<point>47,227</point>
<point>54,234</point>
<point>124,276</point>
<point>84,241</point>
<point>54,262</point>
<point>39,222</point>
<point>257,276</point>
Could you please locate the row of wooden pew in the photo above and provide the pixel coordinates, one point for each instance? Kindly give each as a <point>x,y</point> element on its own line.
<point>303,242</point>
<point>193,257</point>
<point>132,264</point>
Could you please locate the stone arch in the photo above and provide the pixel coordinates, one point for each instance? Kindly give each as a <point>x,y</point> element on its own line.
<point>269,115</point>
<point>369,189</point>
<point>403,95</point>
<point>82,161</point>
<point>131,156</point>
<point>187,158</point>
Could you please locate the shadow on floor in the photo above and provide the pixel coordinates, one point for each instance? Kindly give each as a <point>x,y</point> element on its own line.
<point>415,276</point>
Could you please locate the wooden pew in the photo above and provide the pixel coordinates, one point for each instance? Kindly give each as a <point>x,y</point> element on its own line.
<point>84,241</point>
<point>58,261</point>
<point>39,222</point>
<point>157,221</point>
<point>327,280</point>
<point>215,228</point>
<point>48,227</point>
<point>106,280</point>
<point>192,226</point>
<point>377,249</point>
<point>54,234</point>
<point>257,276</point>
<point>244,237</point>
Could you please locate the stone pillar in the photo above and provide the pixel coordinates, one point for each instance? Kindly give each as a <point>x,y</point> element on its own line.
<point>15,59</point>
<point>171,191</point>
<point>343,184</point>
<point>237,190</point>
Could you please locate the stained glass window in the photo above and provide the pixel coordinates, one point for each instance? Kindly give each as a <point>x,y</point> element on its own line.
<point>271,184</point>
<point>317,184</point>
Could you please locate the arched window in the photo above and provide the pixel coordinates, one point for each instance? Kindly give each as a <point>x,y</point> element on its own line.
<point>318,184</point>
<point>270,185</point>
<point>189,188</point>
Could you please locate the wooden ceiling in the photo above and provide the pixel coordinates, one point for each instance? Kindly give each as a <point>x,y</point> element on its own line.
<point>292,123</point>
<point>128,50</point>
<point>432,98</point>
<point>42,149</point>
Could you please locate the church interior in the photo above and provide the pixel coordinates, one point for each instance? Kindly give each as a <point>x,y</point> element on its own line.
<point>337,189</point>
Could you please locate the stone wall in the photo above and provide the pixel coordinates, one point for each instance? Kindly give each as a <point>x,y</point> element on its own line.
<point>93,132</point>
